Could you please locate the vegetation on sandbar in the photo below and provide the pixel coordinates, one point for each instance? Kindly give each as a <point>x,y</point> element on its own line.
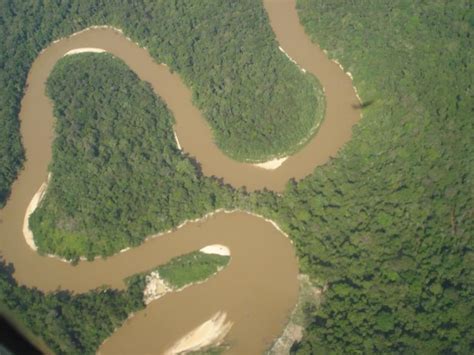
<point>191,268</point>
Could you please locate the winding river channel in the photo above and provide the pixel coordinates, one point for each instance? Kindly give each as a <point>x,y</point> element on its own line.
<point>259,288</point>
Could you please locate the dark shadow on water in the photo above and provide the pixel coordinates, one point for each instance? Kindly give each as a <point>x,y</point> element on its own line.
<point>363,105</point>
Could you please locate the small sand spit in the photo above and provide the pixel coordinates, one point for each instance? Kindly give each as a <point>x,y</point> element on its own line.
<point>84,50</point>
<point>271,164</point>
<point>35,201</point>
<point>177,140</point>
<point>216,249</point>
<point>211,332</point>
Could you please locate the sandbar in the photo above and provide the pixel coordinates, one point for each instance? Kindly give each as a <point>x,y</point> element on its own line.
<point>271,164</point>
<point>216,249</point>
<point>211,332</point>
<point>35,201</point>
<point>84,50</point>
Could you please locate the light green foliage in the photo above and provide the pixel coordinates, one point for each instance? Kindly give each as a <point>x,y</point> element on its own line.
<point>191,268</point>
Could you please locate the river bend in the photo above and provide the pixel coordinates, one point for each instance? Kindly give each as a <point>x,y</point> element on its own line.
<point>259,287</point>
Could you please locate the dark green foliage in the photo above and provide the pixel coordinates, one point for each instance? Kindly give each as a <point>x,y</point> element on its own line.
<point>224,50</point>
<point>70,323</point>
<point>190,268</point>
<point>388,225</point>
<point>117,175</point>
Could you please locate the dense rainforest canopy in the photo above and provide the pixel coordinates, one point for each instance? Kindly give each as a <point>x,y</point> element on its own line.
<point>224,50</point>
<point>387,226</point>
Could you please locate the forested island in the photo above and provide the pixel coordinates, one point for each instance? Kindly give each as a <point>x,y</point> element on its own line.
<point>386,228</point>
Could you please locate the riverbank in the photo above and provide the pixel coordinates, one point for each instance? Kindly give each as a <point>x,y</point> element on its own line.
<point>308,295</point>
<point>271,164</point>
<point>214,249</point>
<point>35,201</point>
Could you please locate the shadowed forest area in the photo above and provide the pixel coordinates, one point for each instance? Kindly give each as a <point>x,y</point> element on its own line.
<point>12,341</point>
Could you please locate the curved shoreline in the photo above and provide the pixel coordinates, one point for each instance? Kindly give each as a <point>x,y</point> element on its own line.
<point>217,248</point>
<point>270,164</point>
<point>332,132</point>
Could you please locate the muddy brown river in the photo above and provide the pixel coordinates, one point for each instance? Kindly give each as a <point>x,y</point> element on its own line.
<point>259,287</point>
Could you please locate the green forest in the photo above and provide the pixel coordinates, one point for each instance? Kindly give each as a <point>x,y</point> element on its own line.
<point>247,89</point>
<point>117,174</point>
<point>386,227</point>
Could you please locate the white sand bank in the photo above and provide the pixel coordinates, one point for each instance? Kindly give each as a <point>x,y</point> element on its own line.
<point>349,74</point>
<point>216,249</point>
<point>271,164</point>
<point>155,287</point>
<point>291,59</point>
<point>211,332</point>
<point>177,140</point>
<point>35,201</point>
<point>84,50</point>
